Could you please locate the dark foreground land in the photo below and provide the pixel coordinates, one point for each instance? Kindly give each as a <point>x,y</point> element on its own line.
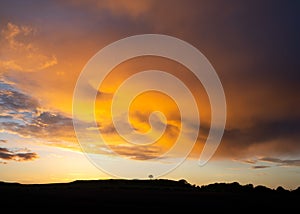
<point>145,196</point>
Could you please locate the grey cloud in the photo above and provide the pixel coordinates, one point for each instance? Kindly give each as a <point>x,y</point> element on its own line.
<point>51,120</point>
<point>15,104</point>
<point>262,131</point>
<point>6,117</point>
<point>281,162</point>
<point>272,162</point>
<point>9,154</point>
<point>260,167</point>
<point>53,129</point>
<point>283,134</point>
<point>11,99</point>
<point>107,129</point>
<point>21,114</point>
<point>249,161</point>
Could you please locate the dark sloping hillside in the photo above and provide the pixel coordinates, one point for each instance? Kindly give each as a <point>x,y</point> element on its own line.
<point>145,195</point>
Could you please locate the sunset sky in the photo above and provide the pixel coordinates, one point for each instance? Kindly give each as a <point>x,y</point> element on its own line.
<point>253,46</point>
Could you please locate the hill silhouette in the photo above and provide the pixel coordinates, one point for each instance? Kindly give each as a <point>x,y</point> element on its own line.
<point>146,195</point>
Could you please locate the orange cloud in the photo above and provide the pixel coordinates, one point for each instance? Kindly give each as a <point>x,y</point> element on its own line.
<point>148,102</point>
<point>260,87</point>
<point>133,8</point>
<point>19,51</point>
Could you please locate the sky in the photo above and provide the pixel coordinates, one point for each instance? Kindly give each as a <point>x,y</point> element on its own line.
<point>252,45</point>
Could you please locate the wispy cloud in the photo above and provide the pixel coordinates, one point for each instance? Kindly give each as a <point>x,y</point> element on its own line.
<point>266,162</point>
<point>137,152</point>
<point>260,167</point>
<point>133,8</point>
<point>21,52</point>
<point>249,161</point>
<point>281,162</point>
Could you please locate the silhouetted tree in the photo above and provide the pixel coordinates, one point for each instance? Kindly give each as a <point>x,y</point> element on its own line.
<point>281,190</point>
<point>183,181</point>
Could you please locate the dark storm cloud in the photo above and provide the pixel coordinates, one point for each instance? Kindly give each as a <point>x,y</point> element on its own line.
<point>10,154</point>
<point>253,45</point>
<point>279,137</point>
<point>262,131</point>
<point>268,40</point>
<point>262,34</point>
